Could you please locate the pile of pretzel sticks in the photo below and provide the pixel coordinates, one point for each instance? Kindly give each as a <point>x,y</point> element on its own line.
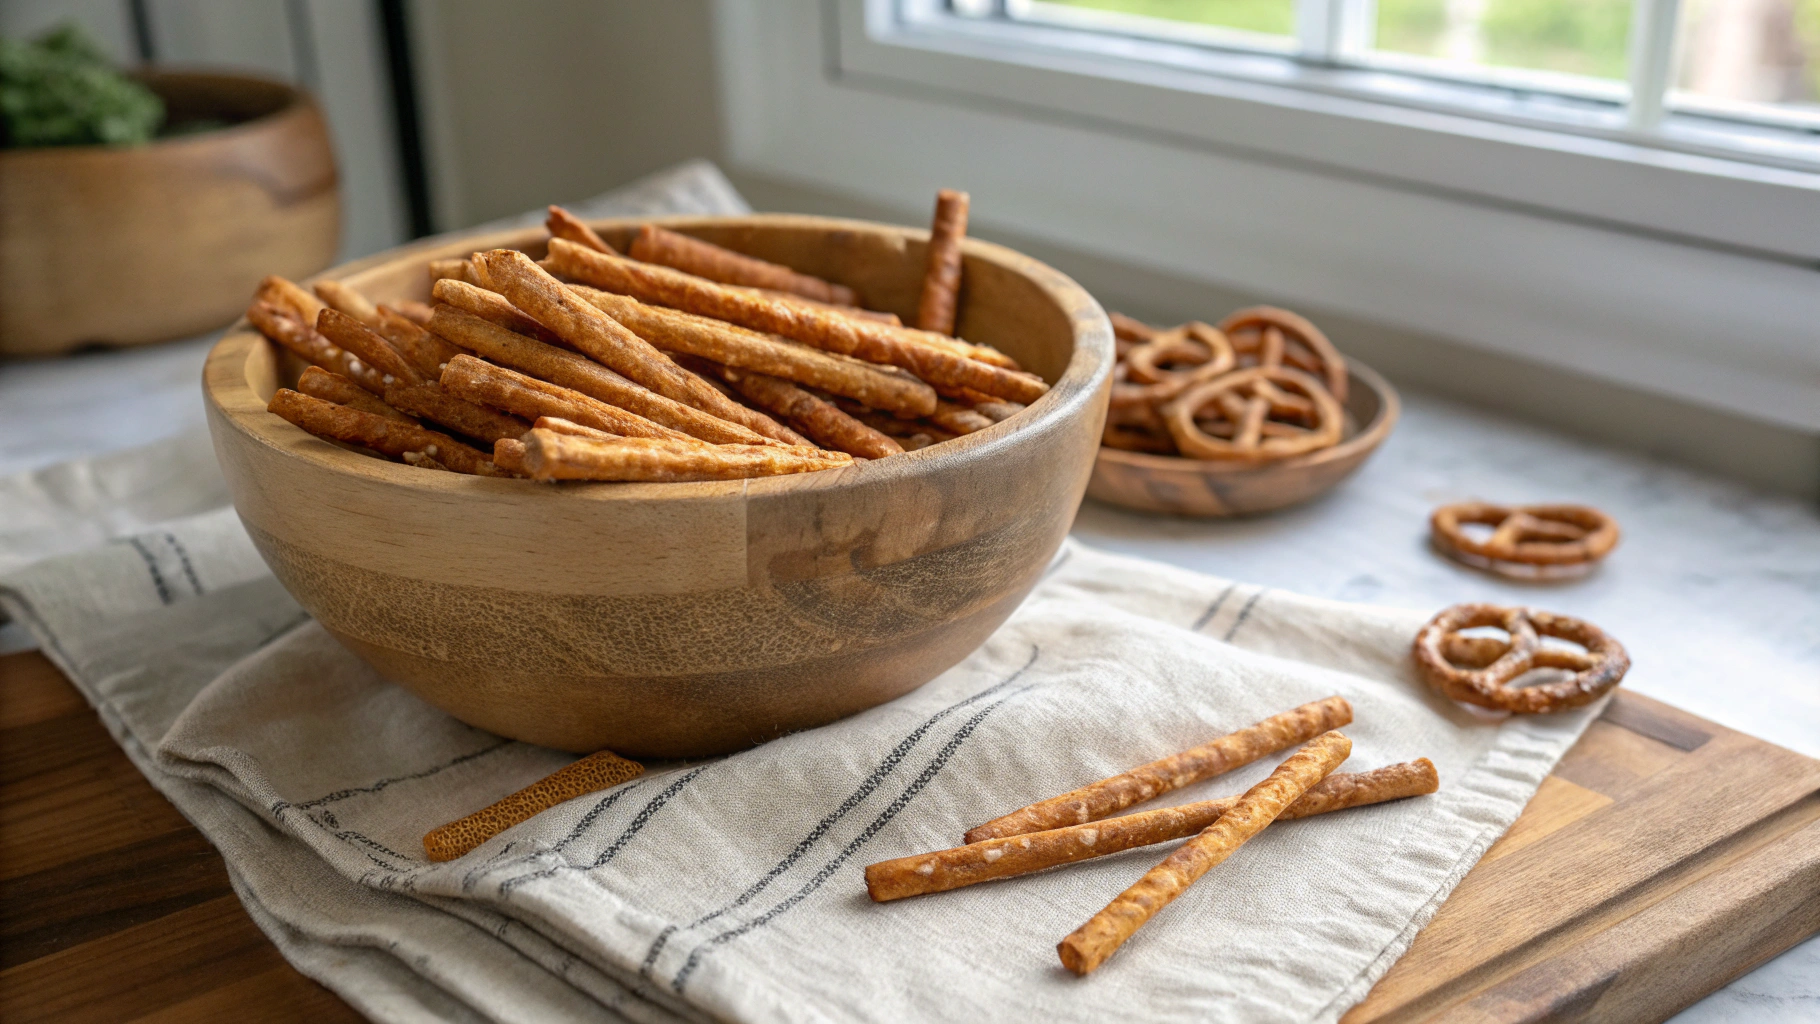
<point>680,360</point>
<point>1264,385</point>
<point>1078,825</point>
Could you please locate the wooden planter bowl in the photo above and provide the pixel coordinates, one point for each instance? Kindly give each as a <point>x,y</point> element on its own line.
<point>679,620</point>
<point>1197,487</point>
<point>125,245</point>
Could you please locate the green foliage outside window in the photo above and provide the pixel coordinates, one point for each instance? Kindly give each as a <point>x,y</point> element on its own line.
<point>60,90</point>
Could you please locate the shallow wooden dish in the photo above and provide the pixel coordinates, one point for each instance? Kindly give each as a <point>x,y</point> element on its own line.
<point>126,245</point>
<point>678,620</point>
<point>1196,487</point>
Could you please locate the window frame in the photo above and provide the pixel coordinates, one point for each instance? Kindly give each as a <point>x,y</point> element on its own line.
<point>1681,273</point>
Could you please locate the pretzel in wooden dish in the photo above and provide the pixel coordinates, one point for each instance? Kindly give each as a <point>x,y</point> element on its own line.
<point>1479,669</point>
<point>1527,541</point>
<point>1256,413</point>
<point>1270,336</point>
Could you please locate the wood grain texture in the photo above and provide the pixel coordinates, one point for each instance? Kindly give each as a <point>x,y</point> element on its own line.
<point>663,620</point>
<point>1642,936</point>
<point>1665,856</point>
<point>112,906</point>
<point>1205,487</point>
<point>111,245</point>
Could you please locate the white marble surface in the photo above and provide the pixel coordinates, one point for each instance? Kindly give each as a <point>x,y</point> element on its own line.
<point>1715,589</point>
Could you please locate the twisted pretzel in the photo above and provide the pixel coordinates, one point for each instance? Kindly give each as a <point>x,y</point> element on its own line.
<point>1479,670</point>
<point>1295,342</point>
<point>1526,541</point>
<point>1255,400</point>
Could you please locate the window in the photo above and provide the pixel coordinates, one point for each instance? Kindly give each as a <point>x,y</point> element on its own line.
<point>1733,77</point>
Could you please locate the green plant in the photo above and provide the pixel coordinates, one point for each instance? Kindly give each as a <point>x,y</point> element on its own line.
<point>60,90</point>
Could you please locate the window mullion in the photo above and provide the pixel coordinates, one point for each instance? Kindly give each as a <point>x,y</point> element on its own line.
<point>1331,31</point>
<point>1652,60</point>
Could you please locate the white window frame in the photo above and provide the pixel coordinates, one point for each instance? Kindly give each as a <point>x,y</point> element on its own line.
<point>1683,272</point>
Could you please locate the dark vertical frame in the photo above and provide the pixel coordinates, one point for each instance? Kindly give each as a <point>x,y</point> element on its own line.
<point>141,17</point>
<point>407,121</point>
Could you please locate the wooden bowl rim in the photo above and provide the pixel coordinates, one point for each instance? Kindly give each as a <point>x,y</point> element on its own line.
<point>227,391</point>
<point>1390,407</point>
<point>296,102</point>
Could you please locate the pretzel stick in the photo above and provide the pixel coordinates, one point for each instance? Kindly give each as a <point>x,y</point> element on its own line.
<point>346,300</point>
<point>368,346</point>
<point>493,308</point>
<point>591,774</point>
<point>451,270</point>
<point>304,341</point>
<point>1145,782</point>
<point>424,350</point>
<point>563,224</point>
<point>942,273</point>
<point>333,387</point>
<point>879,343</point>
<point>552,456</point>
<point>529,287</point>
<point>959,419</point>
<point>576,372</point>
<point>716,263</point>
<point>340,423</point>
<point>433,403</point>
<point>288,296</point>
<point>485,384</point>
<point>509,454</point>
<point>821,420</point>
<point>675,331</point>
<point>1011,856</point>
<point>412,310</point>
<point>1107,930</point>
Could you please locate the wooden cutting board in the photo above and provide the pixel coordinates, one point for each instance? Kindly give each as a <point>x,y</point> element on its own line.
<point>1665,856</point>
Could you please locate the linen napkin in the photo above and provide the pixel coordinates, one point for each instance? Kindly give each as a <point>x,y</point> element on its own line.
<point>732,888</point>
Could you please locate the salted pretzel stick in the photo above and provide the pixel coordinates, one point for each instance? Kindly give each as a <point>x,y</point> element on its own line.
<point>483,383</point>
<point>552,456</point>
<point>453,269</point>
<point>1107,930</point>
<point>822,421</point>
<point>879,343</point>
<point>942,270</point>
<point>439,406</point>
<point>563,224</point>
<point>492,307</point>
<point>340,423</point>
<point>591,774</point>
<point>1011,856</point>
<point>1109,796</point>
<point>368,346</point>
<point>604,339</point>
<point>412,310</point>
<point>959,419</point>
<point>577,372</point>
<point>340,297</point>
<point>425,351</point>
<point>509,455</point>
<point>287,295</point>
<point>675,331</point>
<point>310,346</point>
<point>705,259</point>
<point>333,387</point>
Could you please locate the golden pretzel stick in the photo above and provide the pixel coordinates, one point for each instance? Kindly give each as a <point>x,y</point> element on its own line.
<point>942,267</point>
<point>591,774</point>
<point>426,351</point>
<point>288,296</point>
<point>549,455</point>
<point>1146,782</point>
<point>493,308</point>
<point>522,395</point>
<point>348,301</point>
<point>1102,935</point>
<point>341,423</point>
<point>369,346</point>
<point>705,259</point>
<point>563,224</point>
<point>333,387</point>
<point>304,341</point>
<point>1011,856</point>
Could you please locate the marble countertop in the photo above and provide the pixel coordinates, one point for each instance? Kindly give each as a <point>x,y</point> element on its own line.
<point>1715,589</point>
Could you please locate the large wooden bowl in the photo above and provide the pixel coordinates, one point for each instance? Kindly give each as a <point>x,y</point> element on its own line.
<point>125,245</point>
<point>1199,487</point>
<point>677,620</point>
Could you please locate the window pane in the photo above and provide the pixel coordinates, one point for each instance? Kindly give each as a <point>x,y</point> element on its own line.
<point>1579,37</point>
<point>1753,52</point>
<point>1272,17</point>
